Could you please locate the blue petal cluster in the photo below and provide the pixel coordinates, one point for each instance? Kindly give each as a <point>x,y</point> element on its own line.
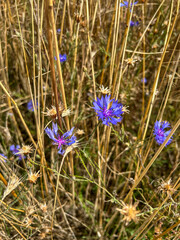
<point>132,24</point>
<point>30,106</point>
<point>125,4</point>
<point>108,110</point>
<point>160,133</point>
<point>14,150</point>
<point>62,58</point>
<point>66,139</point>
<point>144,80</point>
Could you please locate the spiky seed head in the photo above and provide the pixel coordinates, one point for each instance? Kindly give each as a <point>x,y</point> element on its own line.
<point>66,112</point>
<point>130,61</point>
<point>125,109</point>
<point>26,149</point>
<point>129,211</point>
<point>166,187</point>
<point>32,177</point>
<point>104,90</point>
<point>52,112</point>
<point>80,132</point>
<point>43,207</point>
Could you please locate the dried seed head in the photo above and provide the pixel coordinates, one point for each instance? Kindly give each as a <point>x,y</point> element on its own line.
<point>43,207</point>
<point>66,112</point>
<point>80,132</point>
<point>104,90</point>
<point>129,211</point>
<point>130,61</point>
<point>71,147</point>
<point>166,187</point>
<point>32,177</point>
<point>125,109</point>
<point>52,112</point>
<point>26,149</point>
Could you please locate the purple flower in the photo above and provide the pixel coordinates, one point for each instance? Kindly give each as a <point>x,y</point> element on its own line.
<point>160,133</point>
<point>126,3</point>
<point>58,30</point>
<point>144,80</point>
<point>63,57</point>
<point>132,24</point>
<point>109,111</point>
<point>66,139</point>
<point>30,106</point>
<point>14,150</point>
<point>1,154</point>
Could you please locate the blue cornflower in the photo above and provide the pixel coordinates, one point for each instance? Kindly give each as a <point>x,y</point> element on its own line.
<point>126,3</point>
<point>63,57</point>
<point>132,24</point>
<point>30,106</point>
<point>109,111</point>
<point>66,139</point>
<point>15,149</point>
<point>160,133</point>
<point>144,80</point>
<point>1,154</point>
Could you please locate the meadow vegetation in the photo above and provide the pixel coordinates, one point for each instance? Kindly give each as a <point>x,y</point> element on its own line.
<point>89,119</point>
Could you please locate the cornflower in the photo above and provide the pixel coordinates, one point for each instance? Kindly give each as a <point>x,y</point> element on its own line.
<point>109,111</point>
<point>132,24</point>
<point>15,150</point>
<point>62,58</point>
<point>30,106</point>
<point>160,133</point>
<point>126,3</point>
<point>144,80</point>
<point>66,139</point>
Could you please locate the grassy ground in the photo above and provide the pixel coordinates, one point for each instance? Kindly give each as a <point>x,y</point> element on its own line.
<point>111,182</point>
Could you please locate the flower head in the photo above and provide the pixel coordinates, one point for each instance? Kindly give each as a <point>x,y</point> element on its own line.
<point>52,112</point>
<point>132,24</point>
<point>4,157</point>
<point>109,111</point>
<point>80,132</point>
<point>62,58</point>
<point>160,133</point>
<point>126,3</point>
<point>30,106</point>
<point>129,211</point>
<point>66,139</point>
<point>104,90</point>
<point>15,150</point>
<point>58,30</point>
<point>144,80</point>
<point>166,187</point>
<point>32,177</point>
<point>66,112</point>
<point>131,61</point>
<point>25,149</point>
